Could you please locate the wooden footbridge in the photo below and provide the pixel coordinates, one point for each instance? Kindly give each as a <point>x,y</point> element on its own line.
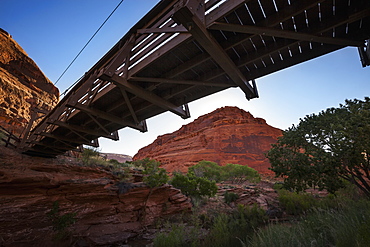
<point>183,50</point>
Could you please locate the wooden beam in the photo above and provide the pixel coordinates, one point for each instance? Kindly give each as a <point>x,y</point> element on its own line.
<point>129,105</point>
<point>81,129</point>
<point>58,148</point>
<point>110,117</point>
<point>223,9</point>
<point>284,34</point>
<point>199,32</point>
<point>177,29</point>
<point>121,57</point>
<point>147,95</point>
<point>69,140</point>
<point>43,152</point>
<point>273,20</point>
<point>98,123</point>
<point>186,82</point>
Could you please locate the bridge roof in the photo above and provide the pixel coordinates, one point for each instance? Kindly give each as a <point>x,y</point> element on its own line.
<point>185,50</point>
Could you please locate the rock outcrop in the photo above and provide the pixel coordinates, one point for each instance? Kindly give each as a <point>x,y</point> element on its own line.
<point>22,86</point>
<point>226,135</point>
<point>122,158</point>
<point>108,212</point>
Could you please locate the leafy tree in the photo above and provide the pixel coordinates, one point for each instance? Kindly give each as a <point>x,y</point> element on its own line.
<point>325,149</point>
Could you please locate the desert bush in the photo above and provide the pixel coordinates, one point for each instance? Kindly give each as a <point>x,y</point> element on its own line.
<point>239,174</point>
<point>60,222</point>
<point>278,186</point>
<point>154,176</point>
<point>231,172</point>
<point>207,169</point>
<point>230,197</point>
<point>90,156</point>
<point>296,203</point>
<point>227,230</point>
<point>347,226</point>
<point>177,235</point>
<point>194,186</point>
<point>114,162</point>
<point>173,238</point>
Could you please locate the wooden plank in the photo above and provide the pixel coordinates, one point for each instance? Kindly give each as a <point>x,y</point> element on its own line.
<point>185,82</point>
<point>284,34</point>
<point>177,29</point>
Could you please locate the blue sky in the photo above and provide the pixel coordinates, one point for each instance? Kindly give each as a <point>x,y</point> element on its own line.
<point>52,32</point>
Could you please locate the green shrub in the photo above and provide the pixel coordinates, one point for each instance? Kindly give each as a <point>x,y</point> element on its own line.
<point>296,203</point>
<point>227,230</point>
<point>207,169</point>
<point>114,162</point>
<point>60,222</point>
<point>219,234</point>
<point>174,238</point>
<point>177,236</point>
<point>278,186</point>
<point>192,185</point>
<point>154,176</point>
<point>349,226</point>
<point>90,156</point>
<point>239,174</point>
<point>230,197</point>
<point>231,172</point>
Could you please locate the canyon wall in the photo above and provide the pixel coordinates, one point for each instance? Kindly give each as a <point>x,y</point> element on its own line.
<point>22,86</point>
<point>226,135</point>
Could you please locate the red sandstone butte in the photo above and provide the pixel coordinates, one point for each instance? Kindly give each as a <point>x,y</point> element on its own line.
<point>226,135</point>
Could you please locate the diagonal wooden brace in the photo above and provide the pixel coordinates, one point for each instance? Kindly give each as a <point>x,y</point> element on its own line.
<point>185,16</point>
<point>147,95</point>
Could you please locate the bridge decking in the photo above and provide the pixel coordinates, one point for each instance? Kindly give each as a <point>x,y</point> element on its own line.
<point>185,50</point>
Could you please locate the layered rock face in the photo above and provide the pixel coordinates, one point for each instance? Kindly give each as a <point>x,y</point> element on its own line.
<point>108,212</point>
<point>226,135</point>
<point>22,86</point>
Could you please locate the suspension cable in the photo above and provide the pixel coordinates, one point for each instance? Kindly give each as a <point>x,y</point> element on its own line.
<point>88,42</point>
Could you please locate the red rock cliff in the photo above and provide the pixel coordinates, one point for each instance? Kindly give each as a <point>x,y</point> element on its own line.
<point>108,212</point>
<point>22,85</point>
<point>226,135</point>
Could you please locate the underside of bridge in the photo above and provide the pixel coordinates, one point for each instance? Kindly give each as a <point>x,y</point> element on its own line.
<point>185,50</point>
